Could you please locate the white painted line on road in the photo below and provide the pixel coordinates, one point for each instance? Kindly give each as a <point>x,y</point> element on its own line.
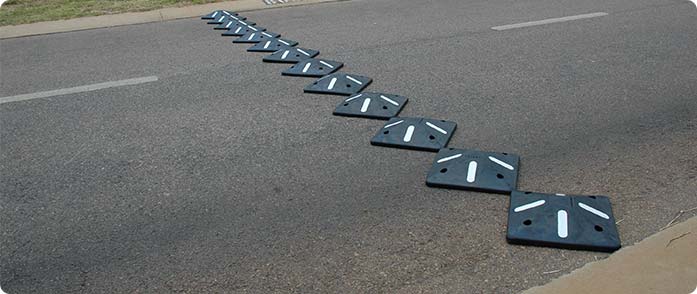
<point>80,89</point>
<point>548,21</point>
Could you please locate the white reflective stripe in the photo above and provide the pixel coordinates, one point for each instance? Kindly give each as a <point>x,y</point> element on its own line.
<point>472,171</point>
<point>529,205</point>
<point>354,97</point>
<point>267,44</point>
<point>221,18</point>
<point>252,28</point>
<point>285,54</point>
<point>389,100</point>
<point>354,80</point>
<point>238,30</point>
<point>435,127</point>
<point>501,163</point>
<point>244,23</point>
<point>265,34</point>
<point>593,210</point>
<point>327,64</point>
<point>303,52</point>
<point>559,194</point>
<point>228,24</point>
<point>214,14</point>
<point>331,84</point>
<point>226,12</point>
<point>284,42</point>
<point>251,36</point>
<point>393,124</point>
<point>562,224</point>
<point>444,159</point>
<point>307,66</point>
<point>409,133</point>
<point>366,103</point>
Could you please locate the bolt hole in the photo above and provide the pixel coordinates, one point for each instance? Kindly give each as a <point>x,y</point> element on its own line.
<point>315,83</point>
<point>451,148</point>
<point>598,228</point>
<point>500,176</point>
<point>528,192</point>
<point>348,85</point>
<point>384,107</point>
<point>386,132</point>
<point>444,170</point>
<point>504,153</point>
<point>431,137</point>
<point>592,197</point>
<point>297,55</point>
<point>527,222</point>
<point>346,104</point>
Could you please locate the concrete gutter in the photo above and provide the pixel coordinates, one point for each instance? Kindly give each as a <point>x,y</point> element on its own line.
<point>104,21</point>
<point>665,262</point>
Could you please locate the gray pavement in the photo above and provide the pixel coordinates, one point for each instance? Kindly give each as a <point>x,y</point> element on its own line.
<point>222,176</point>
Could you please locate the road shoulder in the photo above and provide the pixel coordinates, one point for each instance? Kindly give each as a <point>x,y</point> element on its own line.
<point>665,262</point>
<point>103,21</point>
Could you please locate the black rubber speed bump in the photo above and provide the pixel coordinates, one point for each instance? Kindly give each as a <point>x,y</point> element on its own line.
<point>223,18</point>
<point>272,45</point>
<point>291,55</point>
<point>313,67</point>
<point>241,30</point>
<point>474,170</point>
<point>216,14</point>
<point>339,84</point>
<point>233,24</point>
<point>371,105</point>
<point>571,222</point>
<point>415,133</point>
<point>256,37</point>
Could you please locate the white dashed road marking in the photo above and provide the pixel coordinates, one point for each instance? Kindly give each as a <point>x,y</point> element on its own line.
<point>548,21</point>
<point>80,89</point>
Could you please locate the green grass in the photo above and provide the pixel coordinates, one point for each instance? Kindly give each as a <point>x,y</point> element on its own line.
<point>15,12</point>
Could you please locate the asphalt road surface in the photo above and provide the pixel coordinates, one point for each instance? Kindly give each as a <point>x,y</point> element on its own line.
<point>223,176</point>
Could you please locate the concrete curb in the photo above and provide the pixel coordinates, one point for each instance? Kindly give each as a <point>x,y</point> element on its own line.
<point>103,21</point>
<point>665,262</point>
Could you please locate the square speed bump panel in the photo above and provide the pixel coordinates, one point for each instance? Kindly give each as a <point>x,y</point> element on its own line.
<point>371,105</point>
<point>557,220</point>
<point>223,18</point>
<point>415,133</point>
<point>272,45</point>
<point>237,31</point>
<point>233,24</point>
<point>474,170</point>
<point>216,14</point>
<point>313,67</point>
<point>291,55</point>
<point>256,37</point>
<point>339,84</point>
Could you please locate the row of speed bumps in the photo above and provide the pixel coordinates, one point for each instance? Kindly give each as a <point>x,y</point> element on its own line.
<point>554,220</point>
